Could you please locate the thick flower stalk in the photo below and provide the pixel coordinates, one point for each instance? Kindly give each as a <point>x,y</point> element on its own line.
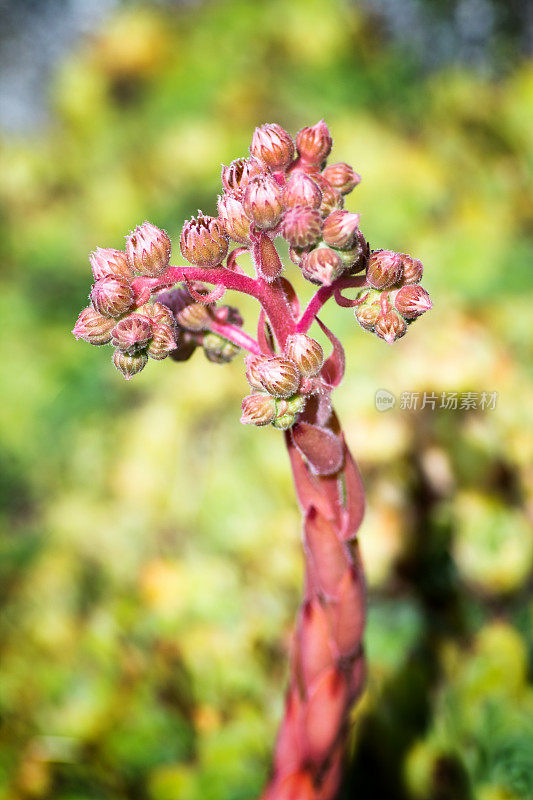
<point>150,310</point>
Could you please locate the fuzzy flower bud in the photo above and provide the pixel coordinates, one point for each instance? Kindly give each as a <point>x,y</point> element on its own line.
<point>301,190</point>
<point>92,327</point>
<point>263,201</point>
<point>279,376</point>
<point>301,226</point>
<point>411,301</point>
<point>194,317</point>
<point>158,313</point>
<point>233,218</point>
<point>163,342</point>
<point>258,409</point>
<point>272,145</point>
<point>314,143</point>
<point>412,269</point>
<point>390,326</point>
<point>112,297</point>
<point>368,310</point>
<point>355,258</point>
<point>203,241</point>
<point>237,176</point>
<point>132,333</point>
<point>252,375</point>
<point>306,353</point>
<point>342,177</point>
<point>219,350</point>
<point>129,365</point>
<point>106,262</point>
<point>384,269</point>
<point>148,250</point>
<point>322,265</point>
<point>340,229</point>
<point>331,198</point>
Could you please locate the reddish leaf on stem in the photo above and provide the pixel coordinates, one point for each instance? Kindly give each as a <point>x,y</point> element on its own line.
<point>333,369</point>
<point>297,786</point>
<point>320,446</point>
<point>289,742</point>
<point>348,617</point>
<point>325,712</point>
<point>292,297</point>
<point>328,554</point>
<point>208,297</point>
<point>267,261</point>
<point>354,500</point>
<point>307,488</point>
<point>315,649</point>
<point>264,335</point>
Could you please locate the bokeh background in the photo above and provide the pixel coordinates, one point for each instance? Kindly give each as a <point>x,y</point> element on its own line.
<point>150,564</point>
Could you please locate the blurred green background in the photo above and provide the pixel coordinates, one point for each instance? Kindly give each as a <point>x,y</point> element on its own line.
<point>150,564</point>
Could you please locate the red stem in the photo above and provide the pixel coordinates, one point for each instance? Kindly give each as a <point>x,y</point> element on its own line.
<point>236,335</point>
<point>322,296</point>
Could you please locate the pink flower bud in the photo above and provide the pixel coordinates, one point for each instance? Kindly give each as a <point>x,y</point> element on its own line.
<point>92,327</point>
<point>340,228</point>
<point>384,269</point>
<point>106,262</point>
<point>412,269</point>
<point>272,145</point>
<point>258,409</point>
<point>341,176</point>
<point>194,317</point>
<point>331,198</point>
<point>233,218</point>
<point>203,241</point>
<point>132,333</point>
<point>314,144</point>
<point>252,375</point>
<point>322,265</point>
<point>163,342</point>
<point>129,365</point>
<point>296,255</point>
<point>278,376</point>
<point>306,353</point>
<point>148,250</point>
<point>112,297</point>
<point>411,301</point>
<point>301,226</point>
<point>369,310</point>
<point>301,190</point>
<point>390,326</point>
<point>219,350</point>
<point>237,176</point>
<point>158,313</point>
<point>263,201</point>
<point>355,258</point>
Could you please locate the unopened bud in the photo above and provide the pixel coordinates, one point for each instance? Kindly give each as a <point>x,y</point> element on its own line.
<point>194,317</point>
<point>237,176</point>
<point>219,350</point>
<point>263,201</point>
<point>314,143</point>
<point>148,250</point>
<point>272,145</point>
<point>233,217</point>
<point>306,353</point>
<point>301,190</point>
<point>158,313</point>
<point>132,333</point>
<point>355,258</point>
<point>279,376</point>
<point>203,241</point>
<point>342,177</point>
<point>92,327</point>
<point>129,365</point>
<point>411,301</point>
<point>331,198</point>
<point>384,269</point>
<point>252,375</point>
<point>390,326</point>
<point>340,229</point>
<point>296,254</point>
<point>368,309</point>
<point>412,269</point>
<point>112,297</point>
<point>163,342</point>
<point>106,262</point>
<point>301,226</point>
<point>258,409</point>
<point>322,265</point>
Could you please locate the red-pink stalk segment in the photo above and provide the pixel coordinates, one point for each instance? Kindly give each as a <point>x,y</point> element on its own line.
<point>148,310</point>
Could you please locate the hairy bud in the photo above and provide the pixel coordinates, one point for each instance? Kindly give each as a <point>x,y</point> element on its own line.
<point>340,229</point>
<point>163,342</point>
<point>301,190</point>
<point>272,145</point>
<point>158,313</point>
<point>322,265</point>
<point>194,317</point>
<point>263,201</point>
<point>342,177</point>
<point>368,310</point>
<point>237,176</point>
<point>92,327</point>
<point>412,269</point>
<point>106,262</point>
<point>411,301</point>
<point>314,143</point>
<point>279,376</point>
<point>384,269</point>
<point>203,241</point>
<point>129,365</point>
<point>252,375</point>
<point>306,353</point>
<point>148,250</point>
<point>219,350</point>
<point>390,326</point>
<point>331,198</point>
<point>258,409</point>
<point>355,258</point>
<point>132,333</point>
<point>301,226</point>
<point>233,218</point>
<point>112,297</point>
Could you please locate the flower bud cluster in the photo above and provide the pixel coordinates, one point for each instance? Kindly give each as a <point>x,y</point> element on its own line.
<point>395,298</point>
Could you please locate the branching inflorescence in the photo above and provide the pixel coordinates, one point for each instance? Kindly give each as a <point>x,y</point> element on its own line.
<point>149,309</point>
